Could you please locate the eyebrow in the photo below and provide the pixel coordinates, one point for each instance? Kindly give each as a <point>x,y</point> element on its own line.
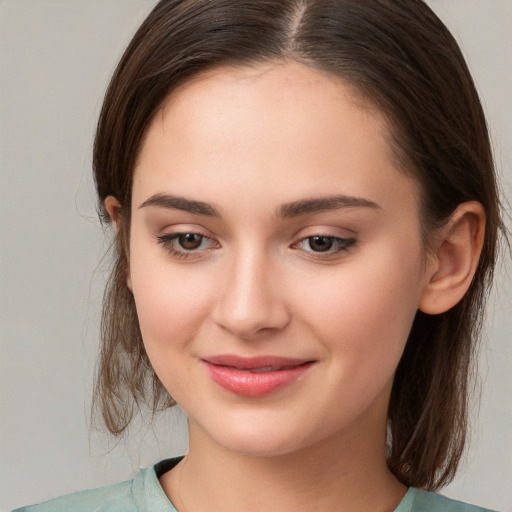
<point>172,202</point>
<point>323,204</point>
<point>287,210</point>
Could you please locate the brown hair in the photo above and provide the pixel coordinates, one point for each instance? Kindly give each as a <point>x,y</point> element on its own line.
<point>402,58</point>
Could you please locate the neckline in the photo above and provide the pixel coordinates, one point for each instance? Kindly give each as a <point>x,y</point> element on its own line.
<point>155,498</point>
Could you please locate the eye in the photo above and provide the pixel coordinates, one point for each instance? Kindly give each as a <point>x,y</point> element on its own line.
<point>324,244</point>
<point>185,245</point>
<point>320,243</point>
<point>190,241</point>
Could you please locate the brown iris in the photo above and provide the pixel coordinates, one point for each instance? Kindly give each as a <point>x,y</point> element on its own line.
<point>320,243</point>
<point>190,241</point>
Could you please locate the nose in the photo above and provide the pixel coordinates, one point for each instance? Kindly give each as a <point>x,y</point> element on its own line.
<point>251,300</point>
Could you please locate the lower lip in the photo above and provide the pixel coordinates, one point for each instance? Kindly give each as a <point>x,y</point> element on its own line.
<point>253,384</point>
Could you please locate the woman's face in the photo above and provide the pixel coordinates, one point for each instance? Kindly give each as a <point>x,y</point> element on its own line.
<point>275,258</point>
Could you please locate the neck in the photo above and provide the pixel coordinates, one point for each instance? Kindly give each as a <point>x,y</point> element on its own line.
<point>342,474</point>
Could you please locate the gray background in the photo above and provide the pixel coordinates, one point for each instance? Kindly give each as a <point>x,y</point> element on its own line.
<point>56,57</point>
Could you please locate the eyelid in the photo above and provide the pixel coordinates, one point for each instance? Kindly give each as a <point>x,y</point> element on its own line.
<point>168,240</point>
<point>342,246</point>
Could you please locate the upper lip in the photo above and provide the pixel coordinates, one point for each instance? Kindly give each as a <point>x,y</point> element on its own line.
<point>250,363</point>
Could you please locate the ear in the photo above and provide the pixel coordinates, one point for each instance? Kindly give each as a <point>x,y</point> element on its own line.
<point>113,208</point>
<point>452,267</point>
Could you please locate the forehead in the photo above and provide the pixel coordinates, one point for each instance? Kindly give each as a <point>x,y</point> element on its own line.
<point>262,92</point>
<point>277,128</point>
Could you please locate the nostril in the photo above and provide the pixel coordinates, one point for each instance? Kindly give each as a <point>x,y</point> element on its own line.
<point>248,303</point>
<point>252,321</point>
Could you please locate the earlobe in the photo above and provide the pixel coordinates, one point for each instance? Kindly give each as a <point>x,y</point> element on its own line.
<point>452,267</point>
<point>113,208</point>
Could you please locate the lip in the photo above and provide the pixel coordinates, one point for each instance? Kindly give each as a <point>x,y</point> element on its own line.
<point>255,376</point>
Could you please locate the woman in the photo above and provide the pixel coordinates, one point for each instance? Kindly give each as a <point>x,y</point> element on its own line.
<point>306,218</point>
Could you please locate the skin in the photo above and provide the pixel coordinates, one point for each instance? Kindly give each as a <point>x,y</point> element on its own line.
<point>246,142</point>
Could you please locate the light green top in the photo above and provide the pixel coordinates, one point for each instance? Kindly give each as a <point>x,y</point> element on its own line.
<point>145,494</point>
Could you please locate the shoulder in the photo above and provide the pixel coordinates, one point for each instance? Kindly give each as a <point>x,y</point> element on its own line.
<point>425,501</point>
<point>114,498</point>
<point>143,493</point>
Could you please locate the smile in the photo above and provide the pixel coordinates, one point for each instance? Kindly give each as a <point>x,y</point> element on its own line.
<point>257,376</point>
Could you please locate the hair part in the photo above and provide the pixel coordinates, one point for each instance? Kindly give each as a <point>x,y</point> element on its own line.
<point>401,58</point>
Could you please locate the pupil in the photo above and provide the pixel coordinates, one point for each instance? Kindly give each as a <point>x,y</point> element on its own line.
<point>320,243</point>
<point>190,241</point>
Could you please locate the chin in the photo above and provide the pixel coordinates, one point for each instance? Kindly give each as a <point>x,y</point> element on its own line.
<point>257,441</point>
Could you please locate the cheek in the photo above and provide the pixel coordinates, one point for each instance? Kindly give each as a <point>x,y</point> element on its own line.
<point>169,307</point>
<point>364,311</point>
<point>169,315</point>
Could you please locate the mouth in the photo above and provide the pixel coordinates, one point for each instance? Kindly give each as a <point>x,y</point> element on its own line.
<point>255,376</point>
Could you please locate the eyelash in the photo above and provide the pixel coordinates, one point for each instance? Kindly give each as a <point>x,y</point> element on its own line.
<point>170,241</point>
<point>338,245</point>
